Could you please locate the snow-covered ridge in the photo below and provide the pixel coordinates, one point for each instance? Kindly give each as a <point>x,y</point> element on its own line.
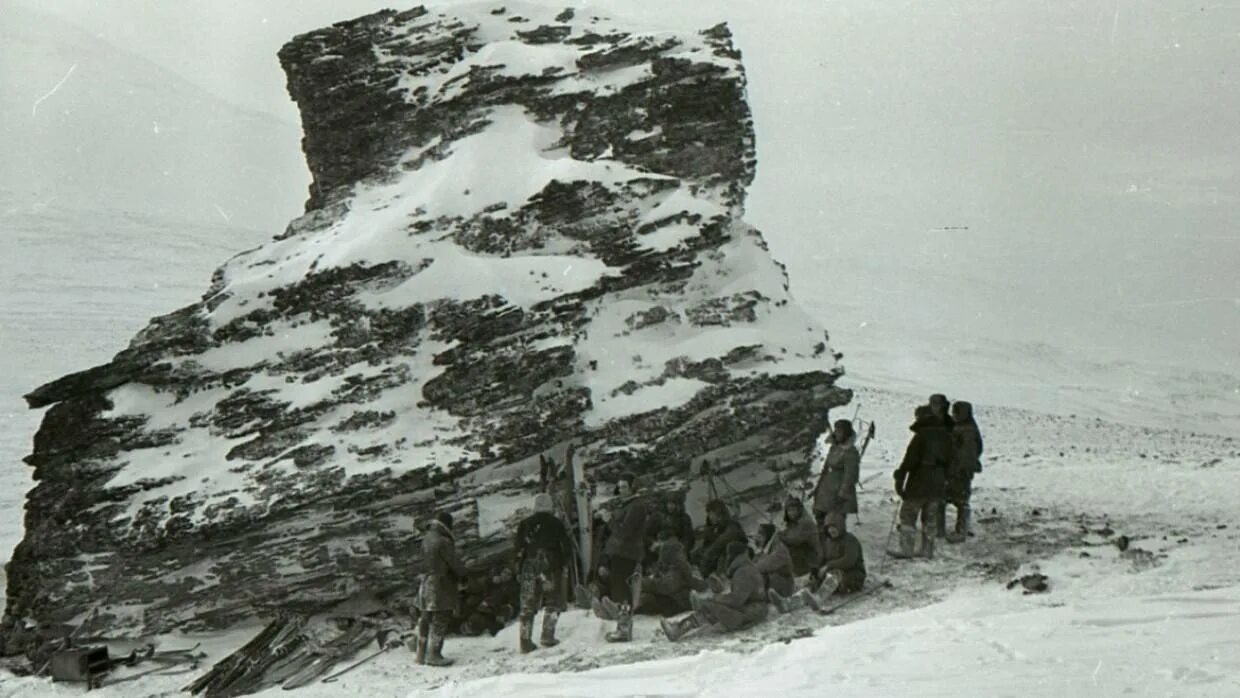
<point>524,229</point>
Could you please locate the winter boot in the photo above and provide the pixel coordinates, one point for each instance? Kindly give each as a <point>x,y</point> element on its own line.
<point>434,654</point>
<point>927,545</point>
<point>419,649</point>
<point>676,629</point>
<point>781,604</point>
<point>962,526</point>
<point>818,598</point>
<point>908,544</point>
<point>547,638</point>
<point>526,643</point>
<point>624,626</point>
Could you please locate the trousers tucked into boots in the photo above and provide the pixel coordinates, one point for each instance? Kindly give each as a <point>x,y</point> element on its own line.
<point>432,626</point>
<point>547,638</point>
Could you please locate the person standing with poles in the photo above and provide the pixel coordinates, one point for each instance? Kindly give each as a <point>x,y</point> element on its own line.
<point>919,482</point>
<point>544,550</point>
<point>836,492</point>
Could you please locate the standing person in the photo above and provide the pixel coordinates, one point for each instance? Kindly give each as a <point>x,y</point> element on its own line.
<point>941,407</point>
<point>801,537</point>
<point>544,551</point>
<point>720,530</point>
<point>774,561</point>
<point>622,555</point>
<point>742,606</point>
<point>919,481</point>
<point>966,462</point>
<point>438,596</point>
<point>837,485</point>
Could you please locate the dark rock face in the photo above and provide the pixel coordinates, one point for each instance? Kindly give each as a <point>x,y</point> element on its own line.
<point>523,230</point>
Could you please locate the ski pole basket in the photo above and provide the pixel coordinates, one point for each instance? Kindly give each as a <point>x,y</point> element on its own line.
<point>87,664</point>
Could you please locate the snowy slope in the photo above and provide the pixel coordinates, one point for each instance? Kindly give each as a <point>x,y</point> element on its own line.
<point>87,125</point>
<point>1157,620</point>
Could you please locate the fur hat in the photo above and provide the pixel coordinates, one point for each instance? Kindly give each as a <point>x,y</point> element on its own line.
<point>444,518</point>
<point>923,412</point>
<point>543,502</point>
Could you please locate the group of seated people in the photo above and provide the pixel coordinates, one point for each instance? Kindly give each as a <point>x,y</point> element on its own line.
<point>729,582</point>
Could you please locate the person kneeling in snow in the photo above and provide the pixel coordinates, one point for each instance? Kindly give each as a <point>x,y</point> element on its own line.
<point>843,571</point>
<point>543,550</point>
<point>742,606</point>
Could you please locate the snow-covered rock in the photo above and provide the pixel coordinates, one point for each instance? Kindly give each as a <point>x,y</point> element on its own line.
<point>524,228</point>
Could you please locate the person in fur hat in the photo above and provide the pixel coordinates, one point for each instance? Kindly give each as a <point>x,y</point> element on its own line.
<point>439,598</point>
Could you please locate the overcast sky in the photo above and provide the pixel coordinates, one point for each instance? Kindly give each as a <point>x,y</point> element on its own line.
<point>1089,146</point>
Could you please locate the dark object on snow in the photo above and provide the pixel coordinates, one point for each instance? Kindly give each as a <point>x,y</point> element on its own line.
<point>1122,543</point>
<point>87,664</point>
<point>1035,583</point>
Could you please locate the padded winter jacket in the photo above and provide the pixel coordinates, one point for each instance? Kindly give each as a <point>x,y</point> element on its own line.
<point>844,554</point>
<point>715,539</point>
<point>804,544</point>
<point>543,532</point>
<point>673,576</point>
<point>438,591</point>
<point>747,587</point>
<point>967,446</point>
<point>775,564</point>
<point>837,486</point>
<point>923,471</point>
<point>628,531</point>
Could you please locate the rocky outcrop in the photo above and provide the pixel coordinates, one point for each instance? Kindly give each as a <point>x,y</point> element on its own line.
<point>524,228</point>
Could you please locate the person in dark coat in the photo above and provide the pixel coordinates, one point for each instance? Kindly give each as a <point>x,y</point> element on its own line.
<point>544,552</point>
<point>622,555</point>
<point>966,462</point>
<point>801,537</point>
<point>665,591</point>
<point>743,605</point>
<point>837,485</point>
<point>720,530</point>
<point>842,571</point>
<point>920,479</point>
<point>941,406</point>
<point>439,598</point>
<point>774,561</point>
<point>675,517</point>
